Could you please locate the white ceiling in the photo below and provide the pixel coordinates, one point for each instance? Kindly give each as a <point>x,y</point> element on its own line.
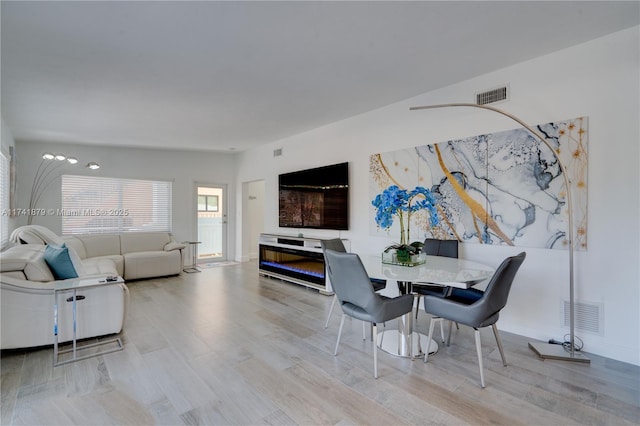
<point>233,75</point>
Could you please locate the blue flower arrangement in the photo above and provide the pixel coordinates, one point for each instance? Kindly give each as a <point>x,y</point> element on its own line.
<point>394,201</point>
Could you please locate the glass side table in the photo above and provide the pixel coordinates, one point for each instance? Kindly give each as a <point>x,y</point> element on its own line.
<point>193,247</point>
<point>73,286</point>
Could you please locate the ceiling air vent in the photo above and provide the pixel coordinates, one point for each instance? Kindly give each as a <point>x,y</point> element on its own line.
<point>277,152</point>
<point>493,95</point>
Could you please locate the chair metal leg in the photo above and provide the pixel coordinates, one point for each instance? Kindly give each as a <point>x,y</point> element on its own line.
<point>375,353</point>
<point>442,332</point>
<point>450,327</point>
<point>417,297</point>
<point>499,341</point>
<point>333,303</point>
<point>335,352</point>
<point>449,334</point>
<point>432,323</point>
<point>364,330</point>
<point>479,350</point>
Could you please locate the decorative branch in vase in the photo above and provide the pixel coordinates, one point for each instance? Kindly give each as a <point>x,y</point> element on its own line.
<point>394,201</point>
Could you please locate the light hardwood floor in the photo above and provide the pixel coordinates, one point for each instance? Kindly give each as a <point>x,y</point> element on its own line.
<point>226,346</point>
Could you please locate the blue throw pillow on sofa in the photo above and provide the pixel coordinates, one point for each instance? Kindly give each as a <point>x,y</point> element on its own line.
<point>59,261</point>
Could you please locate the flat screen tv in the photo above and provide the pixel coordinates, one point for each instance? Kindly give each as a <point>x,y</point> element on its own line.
<point>315,198</point>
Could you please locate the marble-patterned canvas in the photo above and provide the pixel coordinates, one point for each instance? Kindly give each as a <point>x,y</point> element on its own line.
<point>500,188</point>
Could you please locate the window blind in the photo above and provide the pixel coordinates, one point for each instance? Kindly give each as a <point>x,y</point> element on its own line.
<point>4,199</point>
<point>112,205</point>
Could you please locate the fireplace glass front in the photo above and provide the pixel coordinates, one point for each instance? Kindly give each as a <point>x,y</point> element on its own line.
<point>300,264</point>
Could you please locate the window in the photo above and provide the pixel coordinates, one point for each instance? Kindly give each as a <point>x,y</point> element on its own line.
<point>110,205</point>
<point>4,198</point>
<point>207,203</point>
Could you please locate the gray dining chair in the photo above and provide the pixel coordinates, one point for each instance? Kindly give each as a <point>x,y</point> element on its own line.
<point>358,299</point>
<point>435,247</point>
<point>481,310</point>
<point>336,244</point>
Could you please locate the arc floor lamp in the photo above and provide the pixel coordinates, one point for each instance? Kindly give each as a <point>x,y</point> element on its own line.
<point>45,175</point>
<point>544,350</point>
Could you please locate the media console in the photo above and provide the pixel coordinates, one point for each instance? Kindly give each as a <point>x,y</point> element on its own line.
<point>295,259</point>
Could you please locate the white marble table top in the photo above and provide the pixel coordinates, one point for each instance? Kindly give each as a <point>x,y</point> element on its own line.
<point>441,270</point>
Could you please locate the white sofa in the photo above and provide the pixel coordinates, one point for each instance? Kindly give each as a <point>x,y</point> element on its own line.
<point>135,254</point>
<point>27,282</point>
<point>26,292</point>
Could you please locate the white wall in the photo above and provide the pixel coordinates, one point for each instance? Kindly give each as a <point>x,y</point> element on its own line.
<point>6,138</point>
<point>598,79</point>
<point>255,215</point>
<point>184,168</point>
<point>7,142</point>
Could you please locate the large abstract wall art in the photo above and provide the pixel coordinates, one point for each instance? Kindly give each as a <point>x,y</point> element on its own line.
<point>501,188</point>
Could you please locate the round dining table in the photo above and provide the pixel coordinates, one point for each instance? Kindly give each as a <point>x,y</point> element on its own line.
<point>436,270</point>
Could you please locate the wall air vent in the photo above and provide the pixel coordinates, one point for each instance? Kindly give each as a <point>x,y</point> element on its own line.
<point>588,316</point>
<point>277,152</point>
<point>493,95</point>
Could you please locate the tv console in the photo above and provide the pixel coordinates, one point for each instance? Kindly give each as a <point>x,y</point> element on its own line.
<point>294,259</point>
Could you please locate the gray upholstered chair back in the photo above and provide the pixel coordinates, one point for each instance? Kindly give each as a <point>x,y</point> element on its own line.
<point>335,244</point>
<point>434,247</point>
<point>352,286</point>
<point>349,278</point>
<point>485,311</point>
<point>497,291</point>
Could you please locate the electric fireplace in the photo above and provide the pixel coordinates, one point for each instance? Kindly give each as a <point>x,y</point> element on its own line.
<point>287,262</point>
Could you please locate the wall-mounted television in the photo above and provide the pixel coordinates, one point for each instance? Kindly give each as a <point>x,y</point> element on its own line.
<point>315,198</point>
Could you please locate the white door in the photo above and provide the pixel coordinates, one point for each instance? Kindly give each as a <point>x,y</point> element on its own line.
<point>211,223</point>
